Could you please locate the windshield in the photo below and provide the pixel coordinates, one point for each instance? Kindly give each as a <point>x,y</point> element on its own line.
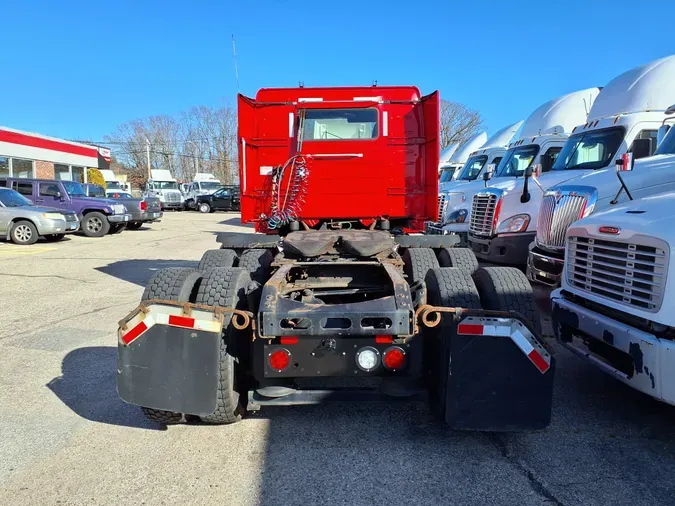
<point>472,168</point>
<point>667,146</point>
<point>446,174</point>
<point>10,198</point>
<point>96,191</point>
<point>209,185</point>
<point>517,160</point>
<point>74,189</point>
<point>590,150</point>
<point>112,185</point>
<point>164,185</point>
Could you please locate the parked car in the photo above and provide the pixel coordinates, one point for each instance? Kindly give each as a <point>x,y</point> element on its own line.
<point>98,216</point>
<point>223,199</point>
<point>24,223</point>
<point>143,210</point>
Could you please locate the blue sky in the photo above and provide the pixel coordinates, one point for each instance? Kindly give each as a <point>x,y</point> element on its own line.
<point>76,69</point>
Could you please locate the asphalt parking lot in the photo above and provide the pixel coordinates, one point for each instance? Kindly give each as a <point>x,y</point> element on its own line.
<point>66,438</point>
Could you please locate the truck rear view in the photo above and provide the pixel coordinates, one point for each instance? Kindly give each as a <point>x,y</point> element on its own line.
<point>337,289</point>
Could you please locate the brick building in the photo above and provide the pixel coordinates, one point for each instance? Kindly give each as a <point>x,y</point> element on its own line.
<point>30,155</point>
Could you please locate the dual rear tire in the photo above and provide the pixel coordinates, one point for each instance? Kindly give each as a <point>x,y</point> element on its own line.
<point>219,286</point>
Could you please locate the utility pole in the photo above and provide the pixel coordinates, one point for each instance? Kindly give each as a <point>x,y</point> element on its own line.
<point>147,151</point>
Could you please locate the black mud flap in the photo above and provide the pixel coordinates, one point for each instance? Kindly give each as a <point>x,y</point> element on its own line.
<point>494,386</point>
<point>170,368</point>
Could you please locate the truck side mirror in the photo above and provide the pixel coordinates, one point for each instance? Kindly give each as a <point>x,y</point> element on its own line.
<point>57,195</point>
<point>661,133</point>
<point>487,175</point>
<point>625,163</point>
<point>642,148</point>
<point>546,162</point>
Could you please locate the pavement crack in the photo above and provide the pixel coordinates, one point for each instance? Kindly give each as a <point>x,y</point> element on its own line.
<point>498,441</point>
<point>47,276</point>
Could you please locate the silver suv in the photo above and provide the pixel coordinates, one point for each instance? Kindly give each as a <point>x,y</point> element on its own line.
<point>24,223</point>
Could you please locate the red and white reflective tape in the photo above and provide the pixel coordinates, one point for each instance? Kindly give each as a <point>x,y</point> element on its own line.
<point>158,316</point>
<point>506,327</point>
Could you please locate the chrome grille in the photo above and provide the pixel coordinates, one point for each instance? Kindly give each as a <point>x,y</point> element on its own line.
<point>558,210</point>
<point>441,207</point>
<point>628,273</point>
<point>483,213</point>
<point>172,197</point>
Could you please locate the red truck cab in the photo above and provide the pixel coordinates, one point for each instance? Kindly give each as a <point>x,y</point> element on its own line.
<point>371,154</point>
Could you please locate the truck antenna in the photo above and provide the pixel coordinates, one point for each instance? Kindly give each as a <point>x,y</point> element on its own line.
<point>234,56</point>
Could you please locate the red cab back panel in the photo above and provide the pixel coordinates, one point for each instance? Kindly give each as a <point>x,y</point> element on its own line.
<point>372,152</point>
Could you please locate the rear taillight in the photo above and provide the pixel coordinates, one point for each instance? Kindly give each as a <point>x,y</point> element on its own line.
<point>279,359</point>
<point>144,205</point>
<point>393,358</point>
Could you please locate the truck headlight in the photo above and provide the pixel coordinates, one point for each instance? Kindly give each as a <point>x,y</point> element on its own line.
<point>517,223</point>
<point>53,216</point>
<point>458,216</point>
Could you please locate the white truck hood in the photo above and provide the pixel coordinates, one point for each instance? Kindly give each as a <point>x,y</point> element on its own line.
<point>651,175</point>
<point>641,221</point>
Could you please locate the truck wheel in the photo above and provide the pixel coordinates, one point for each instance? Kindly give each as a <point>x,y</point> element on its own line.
<point>24,232</point>
<point>507,289</point>
<point>134,225</point>
<point>204,208</point>
<point>226,287</point>
<point>417,262</point>
<point>116,228</point>
<point>258,263</point>
<point>95,224</point>
<point>446,287</point>
<point>175,284</point>
<point>217,258</point>
<point>463,258</point>
<point>54,237</point>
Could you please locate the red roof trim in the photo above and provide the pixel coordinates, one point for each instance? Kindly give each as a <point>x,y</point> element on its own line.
<point>39,142</point>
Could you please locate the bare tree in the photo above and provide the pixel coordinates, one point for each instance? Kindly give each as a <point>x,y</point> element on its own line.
<point>203,139</point>
<point>458,123</point>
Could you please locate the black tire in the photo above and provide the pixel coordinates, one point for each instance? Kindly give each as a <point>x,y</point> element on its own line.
<point>417,262</point>
<point>23,232</point>
<point>226,287</point>
<point>446,287</point>
<point>134,225</point>
<point>217,258</point>
<point>54,237</point>
<point>116,228</point>
<point>507,289</point>
<point>204,208</point>
<point>176,284</point>
<point>95,224</point>
<point>258,263</point>
<point>463,258</point>
<point>162,417</point>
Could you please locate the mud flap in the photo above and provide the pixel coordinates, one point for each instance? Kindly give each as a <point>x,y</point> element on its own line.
<point>169,367</point>
<point>494,385</point>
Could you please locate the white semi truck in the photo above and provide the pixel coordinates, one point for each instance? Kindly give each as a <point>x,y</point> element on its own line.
<point>625,118</point>
<point>202,184</point>
<point>459,158</point>
<point>500,218</point>
<point>614,306</point>
<point>163,185</point>
<point>452,209</point>
<point>445,170</point>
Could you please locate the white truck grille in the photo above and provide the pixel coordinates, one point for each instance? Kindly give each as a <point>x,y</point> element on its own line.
<point>441,207</point>
<point>558,210</point>
<point>172,198</point>
<point>483,210</point>
<point>631,274</point>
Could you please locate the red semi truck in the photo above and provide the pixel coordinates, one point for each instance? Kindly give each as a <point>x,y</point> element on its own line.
<point>338,284</point>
